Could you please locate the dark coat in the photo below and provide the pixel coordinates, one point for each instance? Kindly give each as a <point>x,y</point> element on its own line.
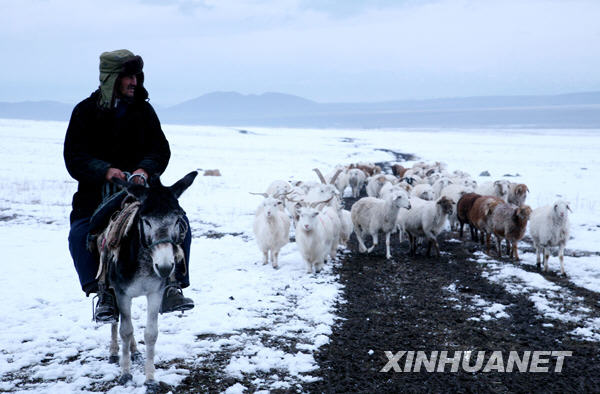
<point>127,137</point>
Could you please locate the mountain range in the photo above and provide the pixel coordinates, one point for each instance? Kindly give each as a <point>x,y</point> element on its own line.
<point>576,110</point>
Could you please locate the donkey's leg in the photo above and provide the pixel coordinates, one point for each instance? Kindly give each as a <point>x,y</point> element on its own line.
<point>126,331</point>
<point>150,335</point>
<point>135,353</point>
<point>114,344</point>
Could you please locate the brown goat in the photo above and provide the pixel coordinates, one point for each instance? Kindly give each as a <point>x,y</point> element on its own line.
<point>480,216</point>
<point>509,222</point>
<point>399,170</point>
<point>464,205</point>
<point>368,169</point>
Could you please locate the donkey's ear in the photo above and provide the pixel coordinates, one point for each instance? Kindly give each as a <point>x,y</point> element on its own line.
<point>154,180</point>
<point>181,185</point>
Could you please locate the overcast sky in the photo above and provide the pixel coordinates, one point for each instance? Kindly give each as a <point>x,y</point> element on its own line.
<point>325,50</point>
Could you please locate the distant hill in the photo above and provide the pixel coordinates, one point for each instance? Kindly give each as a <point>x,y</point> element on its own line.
<point>36,110</point>
<point>576,110</point>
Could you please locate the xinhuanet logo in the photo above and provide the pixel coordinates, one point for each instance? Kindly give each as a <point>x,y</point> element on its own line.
<point>544,361</point>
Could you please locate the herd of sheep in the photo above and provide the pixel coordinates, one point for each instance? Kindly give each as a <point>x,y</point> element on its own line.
<point>419,202</point>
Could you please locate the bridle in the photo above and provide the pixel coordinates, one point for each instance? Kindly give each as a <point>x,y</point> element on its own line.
<point>168,240</point>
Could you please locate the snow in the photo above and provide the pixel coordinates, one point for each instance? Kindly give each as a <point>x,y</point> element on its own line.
<point>48,342</point>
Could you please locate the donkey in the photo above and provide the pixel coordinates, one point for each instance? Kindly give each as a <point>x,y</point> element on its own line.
<point>145,263</point>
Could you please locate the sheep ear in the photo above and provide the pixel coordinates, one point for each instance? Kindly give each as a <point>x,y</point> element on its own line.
<point>181,185</point>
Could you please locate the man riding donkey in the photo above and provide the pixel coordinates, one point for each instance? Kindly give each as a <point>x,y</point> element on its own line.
<point>115,133</point>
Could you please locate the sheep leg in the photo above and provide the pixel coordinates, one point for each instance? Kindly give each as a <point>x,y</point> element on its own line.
<point>460,229</point>
<point>274,258</point>
<point>388,255</point>
<point>515,250</point>
<point>361,243</point>
<point>499,246</point>
<point>412,244</point>
<point>474,236</point>
<point>265,257</point>
<point>561,257</point>
<point>308,267</point>
<point>375,242</point>
<point>437,247</point>
<point>487,243</point>
<point>537,256</point>
<point>546,258</point>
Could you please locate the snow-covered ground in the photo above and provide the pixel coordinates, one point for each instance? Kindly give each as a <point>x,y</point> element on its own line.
<point>48,342</point>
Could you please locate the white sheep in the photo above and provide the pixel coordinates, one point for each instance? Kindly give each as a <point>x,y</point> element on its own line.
<point>374,184</point>
<point>271,228</point>
<point>423,191</point>
<point>425,219</point>
<point>315,237</point>
<point>548,227</point>
<point>498,189</point>
<point>346,228</point>
<point>371,215</point>
<point>356,179</point>
<point>439,185</point>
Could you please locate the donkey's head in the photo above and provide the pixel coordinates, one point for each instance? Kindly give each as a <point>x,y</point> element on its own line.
<point>162,226</point>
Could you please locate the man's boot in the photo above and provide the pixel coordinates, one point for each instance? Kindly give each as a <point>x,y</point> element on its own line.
<point>106,310</point>
<point>173,300</point>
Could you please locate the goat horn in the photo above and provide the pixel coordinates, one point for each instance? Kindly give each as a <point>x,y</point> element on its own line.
<point>332,181</point>
<point>321,177</point>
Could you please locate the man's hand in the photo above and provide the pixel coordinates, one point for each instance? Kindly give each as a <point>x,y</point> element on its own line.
<point>137,179</point>
<point>115,173</point>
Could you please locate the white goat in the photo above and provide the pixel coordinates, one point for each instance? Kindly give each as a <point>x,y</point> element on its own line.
<point>271,228</point>
<point>356,179</point>
<point>498,189</point>
<point>315,237</point>
<point>371,215</point>
<point>548,227</point>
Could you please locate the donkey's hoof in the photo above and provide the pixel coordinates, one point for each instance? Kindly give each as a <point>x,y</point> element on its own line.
<point>152,386</point>
<point>126,377</point>
<point>113,359</point>
<point>136,356</point>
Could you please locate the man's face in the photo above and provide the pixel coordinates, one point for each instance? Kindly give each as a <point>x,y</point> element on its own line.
<point>127,85</point>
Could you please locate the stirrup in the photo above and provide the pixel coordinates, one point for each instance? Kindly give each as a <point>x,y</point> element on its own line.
<point>106,316</point>
<point>176,301</point>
